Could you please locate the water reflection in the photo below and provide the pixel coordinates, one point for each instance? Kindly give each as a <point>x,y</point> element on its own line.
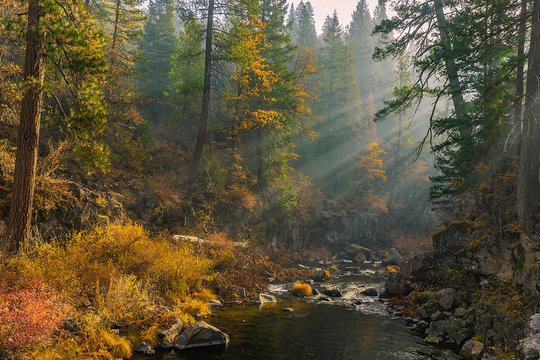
<point>311,331</point>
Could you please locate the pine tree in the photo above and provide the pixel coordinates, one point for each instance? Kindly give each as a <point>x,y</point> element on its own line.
<point>157,47</point>
<point>72,47</point>
<point>305,34</point>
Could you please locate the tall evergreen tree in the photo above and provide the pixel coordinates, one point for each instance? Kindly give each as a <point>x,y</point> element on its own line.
<point>305,33</point>
<point>157,46</point>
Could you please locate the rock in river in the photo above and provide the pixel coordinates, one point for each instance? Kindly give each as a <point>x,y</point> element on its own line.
<point>331,292</point>
<point>370,292</point>
<point>265,298</point>
<point>320,275</point>
<point>168,336</point>
<point>396,285</point>
<point>201,334</point>
<point>393,258</point>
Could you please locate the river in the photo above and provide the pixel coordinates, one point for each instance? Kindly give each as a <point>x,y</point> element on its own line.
<point>352,327</point>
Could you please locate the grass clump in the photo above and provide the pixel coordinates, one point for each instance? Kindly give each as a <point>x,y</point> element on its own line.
<point>302,289</point>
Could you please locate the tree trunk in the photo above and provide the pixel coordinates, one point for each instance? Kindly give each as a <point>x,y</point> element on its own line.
<point>199,146</point>
<point>528,196</point>
<point>20,213</point>
<point>518,101</point>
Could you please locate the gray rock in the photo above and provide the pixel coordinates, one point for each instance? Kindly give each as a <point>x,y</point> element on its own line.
<point>472,350</point>
<point>201,334</point>
<point>320,275</point>
<point>460,312</point>
<point>335,293</point>
<point>215,303</point>
<point>530,347</point>
<point>370,292</point>
<point>166,344</point>
<point>324,298</point>
<point>145,349</point>
<point>170,334</point>
<point>265,298</point>
<point>424,296</point>
<point>534,323</point>
<point>437,315</point>
<point>396,285</point>
<point>447,355</point>
<point>447,298</point>
<point>426,310</point>
<point>393,258</point>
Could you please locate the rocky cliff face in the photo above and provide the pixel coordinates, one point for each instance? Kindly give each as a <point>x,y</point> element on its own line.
<point>495,276</point>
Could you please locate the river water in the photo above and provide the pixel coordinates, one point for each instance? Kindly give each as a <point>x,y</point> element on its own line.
<point>353,327</point>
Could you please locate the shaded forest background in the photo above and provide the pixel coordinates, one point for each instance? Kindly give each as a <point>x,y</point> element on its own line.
<point>292,155</point>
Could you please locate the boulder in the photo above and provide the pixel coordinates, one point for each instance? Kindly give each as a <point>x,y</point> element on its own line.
<point>320,275</point>
<point>265,298</point>
<point>426,310</point>
<point>530,347</point>
<point>396,285</point>
<point>370,292</point>
<point>393,258</point>
<point>331,292</point>
<point>460,312</point>
<point>447,298</point>
<point>201,334</point>
<point>423,297</point>
<point>145,349</point>
<point>472,350</point>
<point>534,323</point>
<point>168,336</point>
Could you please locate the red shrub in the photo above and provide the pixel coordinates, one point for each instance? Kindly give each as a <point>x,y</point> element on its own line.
<point>28,315</point>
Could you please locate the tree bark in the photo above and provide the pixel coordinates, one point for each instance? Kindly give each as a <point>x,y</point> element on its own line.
<point>20,214</point>
<point>528,196</point>
<point>201,135</point>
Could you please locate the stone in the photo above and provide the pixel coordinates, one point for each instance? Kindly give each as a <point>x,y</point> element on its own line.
<point>447,355</point>
<point>472,350</point>
<point>426,310</point>
<point>393,258</point>
<point>331,292</point>
<point>265,298</point>
<point>432,339</point>
<point>460,312</point>
<point>530,347</point>
<point>437,315</point>
<point>320,275</point>
<point>145,349</point>
<point>324,298</point>
<point>396,285</point>
<point>166,344</point>
<point>215,303</point>
<point>314,291</point>
<point>447,298</point>
<point>423,297</point>
<point>168,336</point>
<point>426,351</point>
<point>201,334</point>
<point>370,292</point>
<point>288,309</point>
<point>534,323</point>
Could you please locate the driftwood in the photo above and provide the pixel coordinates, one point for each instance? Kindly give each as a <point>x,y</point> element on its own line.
<point>198,241</point>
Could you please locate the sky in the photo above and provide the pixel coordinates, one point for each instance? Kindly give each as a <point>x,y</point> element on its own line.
<point>344,9</point>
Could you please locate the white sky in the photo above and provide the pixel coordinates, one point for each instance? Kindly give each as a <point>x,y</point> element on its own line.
<point>344,9</point>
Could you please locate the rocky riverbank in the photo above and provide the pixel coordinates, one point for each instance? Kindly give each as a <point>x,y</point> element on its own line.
<point>472,298</point>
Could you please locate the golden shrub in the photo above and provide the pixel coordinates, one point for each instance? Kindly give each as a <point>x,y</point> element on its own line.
<point>302,289</point>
